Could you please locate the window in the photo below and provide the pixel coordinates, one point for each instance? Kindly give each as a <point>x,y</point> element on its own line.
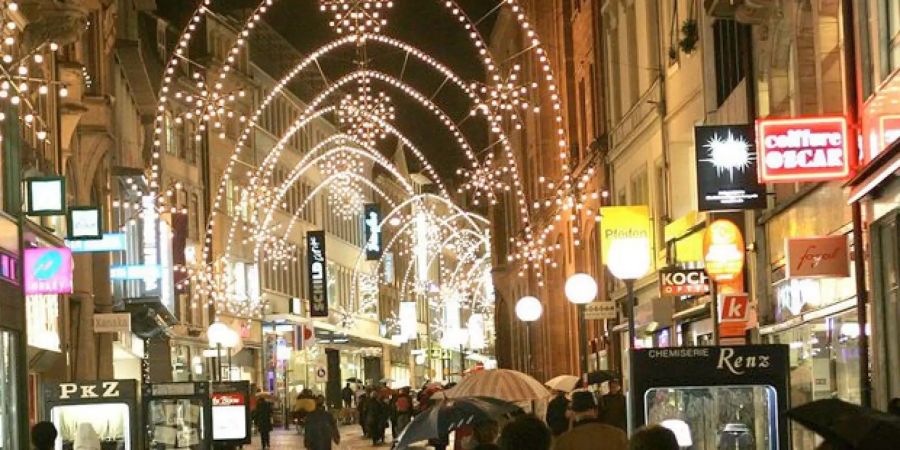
<point>639,189</point>
<point>171,136</point>
<point>194,217</point>
<point>890,36</point>
<point>731,39</point>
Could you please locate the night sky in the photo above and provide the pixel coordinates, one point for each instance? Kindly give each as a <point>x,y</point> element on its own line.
<point>425,24</point>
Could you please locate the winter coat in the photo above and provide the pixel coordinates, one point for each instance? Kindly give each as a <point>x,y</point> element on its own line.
<point>592,434</point>
<point>557,419</point>
<point>263,415</point>
<point>320,430</point>
<point>86,438</point>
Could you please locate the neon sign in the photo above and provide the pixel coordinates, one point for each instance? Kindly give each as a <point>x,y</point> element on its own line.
<point>48,271</point>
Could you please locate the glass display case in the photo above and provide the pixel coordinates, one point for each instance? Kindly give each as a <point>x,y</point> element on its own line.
<point>714,398</point>
<point>177,415</point>
<point>109,407</point>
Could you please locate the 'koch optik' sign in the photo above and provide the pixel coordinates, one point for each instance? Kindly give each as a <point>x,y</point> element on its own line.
<point>803,149</point>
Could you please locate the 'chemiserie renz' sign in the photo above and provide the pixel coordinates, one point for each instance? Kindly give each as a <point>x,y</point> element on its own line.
<point>318,276</point>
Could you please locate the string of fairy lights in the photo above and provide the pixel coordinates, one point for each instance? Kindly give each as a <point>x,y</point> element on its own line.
<point>210,99</point>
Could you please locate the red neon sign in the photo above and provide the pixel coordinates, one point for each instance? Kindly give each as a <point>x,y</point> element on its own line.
<point>799,150</point>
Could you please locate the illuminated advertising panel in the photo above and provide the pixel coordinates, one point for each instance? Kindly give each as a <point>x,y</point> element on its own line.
<point>318,274</point>
<point>48,271</point>
<point>803,149</point>
<point>726,168</point>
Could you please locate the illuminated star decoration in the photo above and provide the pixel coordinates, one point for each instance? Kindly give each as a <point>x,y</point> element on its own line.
<point>728,154</point>
<point>356,16</point>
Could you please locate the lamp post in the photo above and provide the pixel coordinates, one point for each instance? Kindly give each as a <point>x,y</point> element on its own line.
<point>629,260</point>
<point>581,289</point>
<point>222,336</point>
<point>528,309</point>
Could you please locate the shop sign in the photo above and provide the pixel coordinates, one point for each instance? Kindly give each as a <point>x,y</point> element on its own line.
<point>135,272</point>
<point>408,321</point>
<point>84,222</point>
<point>678,282</point>
<point>109,242</point>
<point>321,373</point>
<point>42,321</point>
<point>806,149</point>
<point>818,257</point>
<point>372,226</point>
<point>48,271</point>
<point>229,416</point>
<point>93,390</point>
<point>723,250</point>
<point>726,168</point>
<point>734,312</point>
<point>600,311</point>
<point>150,235</point>
<point>46,196</point>
<point>112,323</point>
<point>318,284</point>
<point>621,226</point>
<point>889,129</point>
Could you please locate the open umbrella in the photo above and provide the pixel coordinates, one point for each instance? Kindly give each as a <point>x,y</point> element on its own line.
<point>565,383</point>
<point>848,424</point>
<point>601,376</point>
<point>354,380</point>
<point>503,384</point>
<point>449,415</point>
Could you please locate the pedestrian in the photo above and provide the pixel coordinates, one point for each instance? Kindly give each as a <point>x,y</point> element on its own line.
<point>262,416</point>
<point>347,396</point>
<point>525,432</point>
<point>403,405</point>
<point>321,429</point>
<point>484,436</point>
<point>612,407</point>
<point>86,438</point>
<point>379,412</point>
<point>362,405</point>
<point>653,437</point>
<point>43,436</point>
<point>557,413</point>
<point>587,430</point>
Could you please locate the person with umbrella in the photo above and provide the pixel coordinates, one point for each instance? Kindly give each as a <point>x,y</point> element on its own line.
<point>321,429</point>
<point>378,411</point>
<point>588,431</point>
<point>846,426</point>
<point>558,413</point>
<point>437,422</point>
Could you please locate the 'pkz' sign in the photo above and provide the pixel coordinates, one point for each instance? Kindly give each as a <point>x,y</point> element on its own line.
<point>372,227</point>
<point>92,391</point>
<point>318,273</point>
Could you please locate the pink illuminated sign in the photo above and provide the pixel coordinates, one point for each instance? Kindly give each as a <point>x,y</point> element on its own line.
<point>48,271</point>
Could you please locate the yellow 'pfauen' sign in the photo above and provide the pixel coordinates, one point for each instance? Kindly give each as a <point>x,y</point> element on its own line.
<point>622,222</point>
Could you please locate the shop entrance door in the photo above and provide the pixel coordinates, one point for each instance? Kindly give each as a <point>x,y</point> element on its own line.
<point>885,248</point>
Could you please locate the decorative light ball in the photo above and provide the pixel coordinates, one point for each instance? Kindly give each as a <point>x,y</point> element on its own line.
<point>220,334</point>
<point>420,360</point>
<point>529,309</point>
<point>581,288</point>
<point>629,258</point>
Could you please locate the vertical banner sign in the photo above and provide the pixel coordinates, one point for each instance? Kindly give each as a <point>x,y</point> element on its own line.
<point>372,227</point>
<point>318,286</point>
<point>625,228</point>
<point>408,320</point>
<point>726,168</point>
<point>723,250</point>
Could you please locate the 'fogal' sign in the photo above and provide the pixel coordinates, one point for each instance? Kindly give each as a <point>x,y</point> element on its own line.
<point>800,150</point>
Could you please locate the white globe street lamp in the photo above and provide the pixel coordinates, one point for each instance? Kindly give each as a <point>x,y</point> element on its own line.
<point>222,336</point>
<point>629,260</point>
<point>581,289</point>
<point>529,309</point>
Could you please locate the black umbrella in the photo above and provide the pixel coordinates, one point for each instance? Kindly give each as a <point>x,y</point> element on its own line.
<point>601,376</point>
<point>354,380</point>
<point>448,415</point>
<point>847,424</point>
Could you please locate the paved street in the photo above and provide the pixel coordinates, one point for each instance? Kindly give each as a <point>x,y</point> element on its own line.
<point>351,439</point>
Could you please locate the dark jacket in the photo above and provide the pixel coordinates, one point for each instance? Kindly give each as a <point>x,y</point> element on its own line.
<point>263,415</point>
<point>556,415</point>
<point>613,411</point>
<point>320,430</point>
<point>592,434</point>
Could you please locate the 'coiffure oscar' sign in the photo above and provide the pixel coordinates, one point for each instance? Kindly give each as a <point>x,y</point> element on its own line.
<point>803,149</point>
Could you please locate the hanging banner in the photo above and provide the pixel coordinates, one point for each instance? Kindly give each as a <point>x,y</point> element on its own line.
<point>621,225</point>
<point>818,257</point>
<point>802,150</point>
<point>372,227</point>
<point>408,321</point>
<point>723,250</point>
<point>48,271</point>
<point>675,282</point>
<point>601,311</point>
<point>318,284</point>
<point>726,168</point>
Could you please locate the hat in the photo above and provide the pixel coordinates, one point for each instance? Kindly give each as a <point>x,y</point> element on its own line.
<point>582,401</point>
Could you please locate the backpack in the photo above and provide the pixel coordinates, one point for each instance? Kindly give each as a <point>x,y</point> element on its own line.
<point>403,404</point>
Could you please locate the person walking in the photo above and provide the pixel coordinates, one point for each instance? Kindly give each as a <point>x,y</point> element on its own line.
<point>379,412</point>
<point>587,430</point>
<point>653,437</point>
<point>321,429</point>
<point>558,414</point>
<point>484,436</point>
<point>86,438</point>
<point>362,408</point>
<point>526,432</point>
<point>262,416</point>
<point>403,405</point>
<point>613,409</point>
<point>43,436</point>
<point>347,396</point>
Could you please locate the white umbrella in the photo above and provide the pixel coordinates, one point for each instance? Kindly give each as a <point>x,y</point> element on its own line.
<point>565,383</point>
<point>502,384</point>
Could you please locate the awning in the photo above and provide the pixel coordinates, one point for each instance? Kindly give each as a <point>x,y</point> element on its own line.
<point>884,166</point>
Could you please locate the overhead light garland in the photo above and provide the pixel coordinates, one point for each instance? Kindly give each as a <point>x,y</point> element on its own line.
<point>356,16</point>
